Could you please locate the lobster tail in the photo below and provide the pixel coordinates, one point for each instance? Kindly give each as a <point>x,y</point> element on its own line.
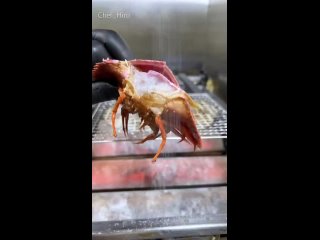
<point>113,72</point>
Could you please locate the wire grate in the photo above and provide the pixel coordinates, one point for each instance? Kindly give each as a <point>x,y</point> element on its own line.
<point>211,121</point>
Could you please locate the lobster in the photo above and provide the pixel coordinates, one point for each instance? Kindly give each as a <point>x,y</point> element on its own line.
<point>149,88</point>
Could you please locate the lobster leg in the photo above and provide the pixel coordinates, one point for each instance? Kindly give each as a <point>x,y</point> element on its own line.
<point>183,137</point>
<point>151,136</point>
<point>125,119</point>
<point>163,135</point>
<point>115,109</point>
<point>122,117</point>
<point>143,124</point>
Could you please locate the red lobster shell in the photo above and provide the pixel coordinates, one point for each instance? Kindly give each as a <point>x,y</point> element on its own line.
<point>149,88</point>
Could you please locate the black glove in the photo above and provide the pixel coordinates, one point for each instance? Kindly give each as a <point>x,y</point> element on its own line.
<point>107,44</point>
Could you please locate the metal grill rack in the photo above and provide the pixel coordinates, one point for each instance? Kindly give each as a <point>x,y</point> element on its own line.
<point>211,121</point>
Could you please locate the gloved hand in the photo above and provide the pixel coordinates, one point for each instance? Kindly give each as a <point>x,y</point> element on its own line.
<point>107,44</point>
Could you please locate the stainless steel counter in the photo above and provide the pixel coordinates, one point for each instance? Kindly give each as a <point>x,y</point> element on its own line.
<point>160,213</point>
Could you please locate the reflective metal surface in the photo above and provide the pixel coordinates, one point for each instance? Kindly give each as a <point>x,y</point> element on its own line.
<point>169,172</point>
<point>160,213</point>
<point>163,228</point>
<point>176,197</point>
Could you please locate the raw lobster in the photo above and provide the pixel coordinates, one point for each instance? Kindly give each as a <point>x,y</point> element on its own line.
<point>150,89</point>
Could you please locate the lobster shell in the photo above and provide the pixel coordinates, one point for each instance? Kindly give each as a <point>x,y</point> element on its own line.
<point>150,89</point>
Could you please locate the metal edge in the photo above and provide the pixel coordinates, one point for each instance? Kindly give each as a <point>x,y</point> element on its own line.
<point>156,228</point>
<point>158,139</point>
